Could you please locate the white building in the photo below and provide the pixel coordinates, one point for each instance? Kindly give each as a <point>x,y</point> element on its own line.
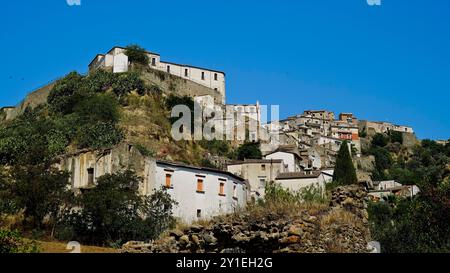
<point>258,172</point>
<point>118,61</point>
<point>201,193</point>
<point>233,119</point>
<point>296,181</point>
<point>386,185</point>
<point>290,159</point>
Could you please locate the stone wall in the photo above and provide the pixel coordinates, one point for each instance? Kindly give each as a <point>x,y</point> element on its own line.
<point>342,227</point>
<point>32,100</point>
<point>171,84</point>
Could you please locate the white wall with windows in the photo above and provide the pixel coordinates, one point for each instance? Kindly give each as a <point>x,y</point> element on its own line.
<point>201,193</point>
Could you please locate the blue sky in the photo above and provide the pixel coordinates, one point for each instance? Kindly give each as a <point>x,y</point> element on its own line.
<point>390,62</point>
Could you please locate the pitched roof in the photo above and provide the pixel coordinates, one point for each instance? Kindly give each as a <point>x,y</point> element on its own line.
<point>177,164</point>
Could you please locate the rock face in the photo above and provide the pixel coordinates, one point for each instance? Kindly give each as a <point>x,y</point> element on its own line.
<point>341,227</point>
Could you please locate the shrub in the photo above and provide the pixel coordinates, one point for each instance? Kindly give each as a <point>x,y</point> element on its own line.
<point>65,93</point>
<point>39,190</point>
<point>275,193</point>
<point>99,135</point>
<point>249,150</point>
<point>144,150</point>
<point>216,147</point>
<point>396,137</point>
<point>12,242</point>
<point>114,212</point>
<point>379,140</point>
<point>101,107</point>
<point>127,82</point>
<point>137,54</point>
<point>313,194</point>
<point>99,81</point>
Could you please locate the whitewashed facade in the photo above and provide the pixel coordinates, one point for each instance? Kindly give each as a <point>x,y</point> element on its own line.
<point>201,193</point>
<point>291,159</point>
<point>116,59</point>
<point>296,181</point>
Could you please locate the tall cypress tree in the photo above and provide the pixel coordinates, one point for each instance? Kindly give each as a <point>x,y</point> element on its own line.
<point>344,171</point>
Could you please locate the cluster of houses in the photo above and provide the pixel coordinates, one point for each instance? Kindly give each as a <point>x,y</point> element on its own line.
<point>380,190</point>
<point>303,155</point>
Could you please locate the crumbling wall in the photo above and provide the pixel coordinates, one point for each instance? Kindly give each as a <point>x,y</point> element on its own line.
<point>342,227</point>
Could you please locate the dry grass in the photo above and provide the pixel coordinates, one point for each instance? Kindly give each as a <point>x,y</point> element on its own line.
<point>340,217</point>
<point>11,221</point>
<point>60,247</point>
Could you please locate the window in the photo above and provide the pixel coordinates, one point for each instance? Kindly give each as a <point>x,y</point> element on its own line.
<point>168,69</point>
<point>203,75</point>
<point>215,76</point>
<point>222,189</point>
<point>153,61</point>
<point>90,176</point>
<point>200,186</point>
<point>234,191</point>
<point>262,183</point>
<point>199,213</point>
<point>168,181</point>
<point>263,167</point>
<point>215,88</point>
<point>186,72</point>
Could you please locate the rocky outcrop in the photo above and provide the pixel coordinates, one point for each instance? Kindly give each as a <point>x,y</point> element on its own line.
<point>341,227</point>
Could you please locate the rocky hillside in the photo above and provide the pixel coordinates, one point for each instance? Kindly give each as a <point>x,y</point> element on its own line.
<point>340,227</point>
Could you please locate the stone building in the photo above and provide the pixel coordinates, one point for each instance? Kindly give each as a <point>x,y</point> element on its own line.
<point>200,192</point>
<point>372,127</point>
<point>296,181</point>
<point>258,172</point>
<point>118,61</point>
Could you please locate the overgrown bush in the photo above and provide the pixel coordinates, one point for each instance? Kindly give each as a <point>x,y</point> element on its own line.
<point>144,150</point>
<point>418,224</point>
<point>66,93</point>
<point>99,135</point>
<point>216,147</point>
<point>113,212</point>
<point>380,140</point>
<point>275,193</point>
<point>137,54</point>
<point>127,82</point>
<point>249,150</point>
<point>11,241</point>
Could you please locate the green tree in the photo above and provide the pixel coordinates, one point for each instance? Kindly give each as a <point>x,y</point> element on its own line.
<point>379,140</point>
<point>66,93</point>
<point>100,107</point>
<point>11,241</point>
<point>249,150</point>
<point>137,54</point>
<point>40,190</point>
<point>344,171</point>
<point>114,212</point>
<point>396,137</point>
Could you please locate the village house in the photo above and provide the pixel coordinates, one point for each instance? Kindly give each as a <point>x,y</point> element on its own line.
<point>258,172</point>
<point>378,190</point>
<point>296,181</point>
<point>229,118</point>
<point>373,127</point>
<point>290,158</point>
<point>116,60</point>
<point>201,193</point>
